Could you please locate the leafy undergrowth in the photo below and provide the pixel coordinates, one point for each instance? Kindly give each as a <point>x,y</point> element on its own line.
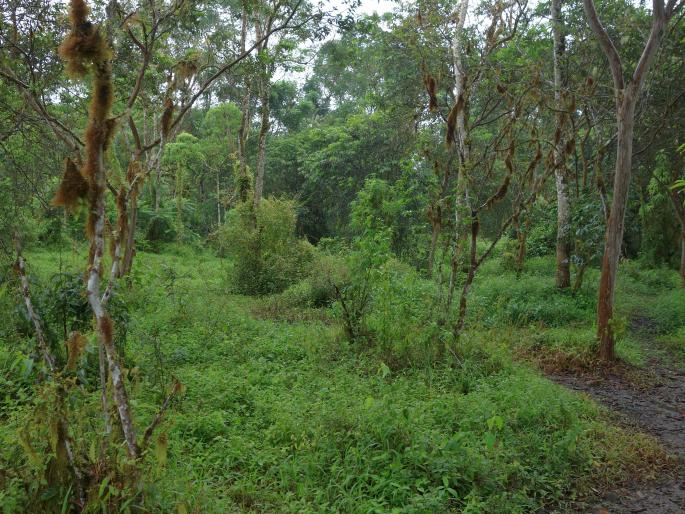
<point>657,300</point>
<point>286,416</point>
<point>556,329</point>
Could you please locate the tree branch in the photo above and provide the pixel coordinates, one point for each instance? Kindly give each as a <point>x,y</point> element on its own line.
<point>606,44</point>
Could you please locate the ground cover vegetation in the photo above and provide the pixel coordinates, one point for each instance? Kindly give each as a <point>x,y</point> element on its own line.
<point>291,257</point>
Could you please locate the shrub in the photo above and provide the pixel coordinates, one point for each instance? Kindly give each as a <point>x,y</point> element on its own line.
<point>667,311</point>
<point>316,291</point>
<point>529,299</point>
<point>542,236</point>
<point>388,308</point>
<point>268,257</point>
<point>400,319</point>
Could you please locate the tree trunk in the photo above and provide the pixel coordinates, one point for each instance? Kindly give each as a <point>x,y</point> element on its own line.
<point>263,132</point>
<point>615,224</point>
<point>218,196</point>
<point>243,179</point>
<point>563,273</point>
<point>521,236</point>
<point>473,265</point>
<point>178,194</point>
<point>677,198</point>
<point>461,204</point>
<point>580,273</point>
<point>626,94</point>
<point>127,263</point>
<point>682,258</point>
<point>435,233</point>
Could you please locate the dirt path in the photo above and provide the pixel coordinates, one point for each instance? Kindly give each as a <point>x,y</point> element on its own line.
<point>658,409</point>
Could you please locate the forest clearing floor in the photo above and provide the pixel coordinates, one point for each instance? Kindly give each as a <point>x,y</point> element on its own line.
<point>653,402</point>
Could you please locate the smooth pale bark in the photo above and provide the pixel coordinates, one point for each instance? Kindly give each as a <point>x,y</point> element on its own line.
<point>615,226</point>
<point>218,196</point>
<point>461,208</point>
<point>51,364</point>
<point>102,318</point>
<point>563,250</point>
<point>261,145</point>
<point>626,95</point>
<point>243,179</point>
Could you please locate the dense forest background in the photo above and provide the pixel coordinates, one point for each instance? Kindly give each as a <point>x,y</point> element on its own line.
<point>198,195</point>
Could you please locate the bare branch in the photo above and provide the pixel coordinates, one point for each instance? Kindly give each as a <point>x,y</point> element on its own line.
<point>606,44</point>
<point>658,23</point>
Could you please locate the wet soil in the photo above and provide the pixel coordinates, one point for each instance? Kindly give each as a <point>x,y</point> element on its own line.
<point>655,406</point>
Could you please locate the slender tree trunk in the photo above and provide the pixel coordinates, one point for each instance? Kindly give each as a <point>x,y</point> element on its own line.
<point>462,148</point>
<point>521,236</point>
<point>218,195</point>
<point>51,363</point>
<point>563,272</point>
<point>677,199</point>
<point>158,173</point>
<point>178,193</point>
<point>435,233</point>
<point>127,264</point>
<point>243,179</point>
<point>104,322</point>
<point>471,274</point>
<point>580,274</point>
<point>626,94</point>
<point>263,132</point>
<point>133,177</point>
<point>682,258</point>
<point>615,225</point>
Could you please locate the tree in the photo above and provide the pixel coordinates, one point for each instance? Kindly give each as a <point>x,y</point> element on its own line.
<point>563,274</point>
<point>626,94</point>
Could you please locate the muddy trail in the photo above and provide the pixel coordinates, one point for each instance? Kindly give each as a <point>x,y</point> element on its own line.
<point>655,406</point>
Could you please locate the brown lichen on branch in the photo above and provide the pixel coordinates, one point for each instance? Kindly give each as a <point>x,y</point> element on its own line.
<point>452,121</point>
<point>432,89</point>
<point>84,44</point>
<point>75,346</point>
<point>72,188</point>
<point>167,116</point>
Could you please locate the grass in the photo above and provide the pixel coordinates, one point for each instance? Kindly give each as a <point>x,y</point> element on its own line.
<point>285,415</point>
<point>556,329</point>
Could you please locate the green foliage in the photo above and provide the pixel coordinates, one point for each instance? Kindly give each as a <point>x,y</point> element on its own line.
<point>159,226</point>
<point>381,206</point>
<point>542,236</point>
<point>667,311</point>
<point>286,416</point>
<point>267,255</point>
<point>660,229</point>
<point>316,291</point>
<point>588,226</point>
<point>401,322</point>
<point>529,299</point>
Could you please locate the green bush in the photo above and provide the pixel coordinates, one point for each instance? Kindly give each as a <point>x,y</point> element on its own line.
<point>316,291</point>
<point>388,307</point>
<point>529,299</point>
<point>267,255</point>
<point>542,236</point>
<point>401,320</point>
<point>667,311</point>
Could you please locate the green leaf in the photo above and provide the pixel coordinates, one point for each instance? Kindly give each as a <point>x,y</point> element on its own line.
<point>490,440</point>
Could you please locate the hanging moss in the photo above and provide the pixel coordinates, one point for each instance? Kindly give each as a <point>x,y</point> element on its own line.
<point>72,189</point>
